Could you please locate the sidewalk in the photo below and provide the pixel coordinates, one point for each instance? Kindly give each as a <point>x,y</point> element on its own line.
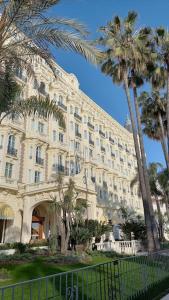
<point>165,298</point>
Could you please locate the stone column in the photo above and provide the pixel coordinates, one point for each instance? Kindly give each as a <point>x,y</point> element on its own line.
<point>27,221</point>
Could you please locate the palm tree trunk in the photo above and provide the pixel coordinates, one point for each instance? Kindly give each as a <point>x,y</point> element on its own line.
<point>163,141</point>
<point>160,219</point>
<point>150,238</point>
<point>145,172</point>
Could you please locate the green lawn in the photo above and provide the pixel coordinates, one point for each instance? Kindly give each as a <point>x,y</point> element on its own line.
<point>124,277</point>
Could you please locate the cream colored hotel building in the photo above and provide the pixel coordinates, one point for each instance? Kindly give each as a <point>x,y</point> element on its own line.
<point>95,150</point>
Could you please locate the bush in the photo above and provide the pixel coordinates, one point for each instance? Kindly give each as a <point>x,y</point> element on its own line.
<point>20,247</point>
<point>4,274</point>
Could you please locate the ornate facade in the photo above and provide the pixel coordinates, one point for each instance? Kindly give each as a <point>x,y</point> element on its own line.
<point>94,149</point>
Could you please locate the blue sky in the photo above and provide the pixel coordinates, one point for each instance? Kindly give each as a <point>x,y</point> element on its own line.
<point>96,13</point>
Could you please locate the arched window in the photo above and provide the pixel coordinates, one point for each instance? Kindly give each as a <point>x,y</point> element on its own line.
<point>38,152</point>
<point>60,99</point>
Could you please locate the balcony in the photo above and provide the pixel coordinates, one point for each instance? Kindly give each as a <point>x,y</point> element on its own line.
<point>103,149</point>
<point>39,161</point>
<point>79,118</point>
<point>111,140</point>
<point>12,151</point>
<point>102,133</point>
<point>42,91</point>
<point>61,105</point>
<point>60,169</point>
<point>90,125</point>
<point>91,142</point>
<point>78,134</point>
<point>105,184</point>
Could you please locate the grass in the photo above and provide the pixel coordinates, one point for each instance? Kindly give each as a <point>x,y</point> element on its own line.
<point>118,279</point>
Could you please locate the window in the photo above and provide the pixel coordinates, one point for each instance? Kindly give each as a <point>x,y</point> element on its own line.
<point>30,152</point>
<point>60,137</point>
<point>77,110</point>
<point>32,124</point>
<point>77,166</point>
<point>11,142</point>
<point>71,125</point>
<point>54,136</point>
<point>55,98</point>
<point>85,134</point>
<point>60,99</point>
<point>1,140</point>
<point>37,176</point>
<point>77,146</point>
<point>97,142</point>
<point>38,153</point>
<point>76,128</point>
<point>35,84</point>
<point>40,127</point>
<point>71,109</point>
<point>60,160</point>
<point>90,153</point>
<point>85,119</point>
<point>8,170</point>
<point>30,175</point>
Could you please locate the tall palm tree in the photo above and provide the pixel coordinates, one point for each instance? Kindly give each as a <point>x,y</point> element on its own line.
<point>27,29</point>
<point>153,117</point>
<point>126,52</point>
<point>161,38</point>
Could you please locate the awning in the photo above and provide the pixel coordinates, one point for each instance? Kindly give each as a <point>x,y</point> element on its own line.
<point>6,212</point>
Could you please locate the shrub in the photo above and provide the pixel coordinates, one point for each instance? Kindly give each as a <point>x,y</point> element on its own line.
<point>20,247</point>
<point>4,274</point>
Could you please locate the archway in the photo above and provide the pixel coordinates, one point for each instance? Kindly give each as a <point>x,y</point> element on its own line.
<point>6,220</point>
<point>40,222</point>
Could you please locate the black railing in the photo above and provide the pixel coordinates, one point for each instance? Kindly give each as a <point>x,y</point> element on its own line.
<point>90,125</point>
<point>78,134</point>
<point>12,151</point>
<point>111,140</point>
<point>61,105</point>
<point>102,133</point>
<point>103,149</point>
<point>76,115</point>
<point>60,169</point>
<point>39,161</point>
<point>93,179</point>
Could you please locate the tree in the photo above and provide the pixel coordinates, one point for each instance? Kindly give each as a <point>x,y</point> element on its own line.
<point>65,206</point>
<point>26,30</point>
<point>125,56</point>
<point>153,117</point>
<point>12,105</point>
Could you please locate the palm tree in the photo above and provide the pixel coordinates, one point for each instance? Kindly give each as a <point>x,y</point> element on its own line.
<point>26,30</point>
<point>161,38</point>
<point>124,58</point>
<point>153,117</point>
<point>12,105</point>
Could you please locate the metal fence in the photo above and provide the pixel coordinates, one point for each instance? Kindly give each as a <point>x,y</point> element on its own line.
<point>138,277</point>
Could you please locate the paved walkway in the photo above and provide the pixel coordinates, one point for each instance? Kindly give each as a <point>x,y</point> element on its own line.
<point>165,298</point>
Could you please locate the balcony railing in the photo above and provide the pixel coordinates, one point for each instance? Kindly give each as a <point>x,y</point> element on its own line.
<point>91,126</point>
<point>102,133</point>
<point>111,140</point>
<point>91,142</point>
<point>60,169</point>
<point>39,161</point>
<point>103,149</point>
<point>61,105</point>
<point>78,134</point>
<point>79,118</point>
<point>12,151</point>
<point>42,91</point>
<point>105,184</point>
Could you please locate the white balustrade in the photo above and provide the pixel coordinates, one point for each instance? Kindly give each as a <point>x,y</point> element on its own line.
<point>121,247</point>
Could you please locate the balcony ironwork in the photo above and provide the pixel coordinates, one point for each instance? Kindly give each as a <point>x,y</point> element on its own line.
<point>111,140</point>
<point>39,161</point>
<point>78,134</point>
<point>77,116</point>
<point>91,126</point>
<point>103,149</point>
<point>102,133</point>
<point>12,151</point>
<point>60,169</point>
<point>61,105</point>
<point>91,142</point>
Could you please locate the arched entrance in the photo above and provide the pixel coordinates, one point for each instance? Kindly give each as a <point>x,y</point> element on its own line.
<point>40,223</point>
<point>6,220</point>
